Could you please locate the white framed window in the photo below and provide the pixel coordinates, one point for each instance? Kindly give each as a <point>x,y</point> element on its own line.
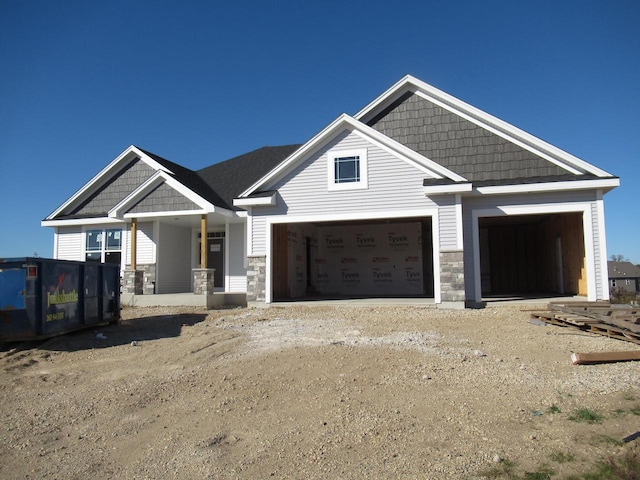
<point>347,169</point>
<point>103,245</point>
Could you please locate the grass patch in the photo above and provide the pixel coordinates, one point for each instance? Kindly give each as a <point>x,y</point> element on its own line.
<point>635,410</point>
<point>554,409</point>
<point>621,467</point>
<point>562,457</point>
<point>504,469</point>
<point>585,415</point>
<point>543,473</point>
<point>606,440</point>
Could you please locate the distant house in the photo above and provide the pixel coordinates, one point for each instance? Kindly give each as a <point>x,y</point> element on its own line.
<point>419,194</point>
<point>624,276</point>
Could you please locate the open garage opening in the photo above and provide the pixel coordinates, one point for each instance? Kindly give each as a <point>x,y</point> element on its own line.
<point>354,259</point>
<point>532,255</point>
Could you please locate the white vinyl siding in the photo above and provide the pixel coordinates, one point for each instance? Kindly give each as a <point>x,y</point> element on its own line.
<point>69,243</point>
<point>237,272</point>
<point>174,252</point>
<point>145,242</point>
<point>392,184</point>
<point>447,223</point>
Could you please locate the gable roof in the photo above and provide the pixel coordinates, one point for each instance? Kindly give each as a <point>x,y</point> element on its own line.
<point>499,150</point>
<point>339,125</point>
<point>210,187</point>
<point>623,270</point>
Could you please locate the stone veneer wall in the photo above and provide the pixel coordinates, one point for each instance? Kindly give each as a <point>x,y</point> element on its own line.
<point>148,276</point>
<point>132,281</point>
<point>452,276</point>
<point>256,278</point>
<point>203,281</point>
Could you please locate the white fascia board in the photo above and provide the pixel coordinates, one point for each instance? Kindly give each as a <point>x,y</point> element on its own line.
<point>483,119</point>
<point>95,182</point>
<point>79,221</point>
<point>444,189</point>
<point>345,121</point>
<point>309,146</point>
<point>605,184</point>
<point>255,201</point>
<point>387,97</point>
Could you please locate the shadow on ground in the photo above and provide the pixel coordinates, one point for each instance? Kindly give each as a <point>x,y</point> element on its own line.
<point>123,333</point>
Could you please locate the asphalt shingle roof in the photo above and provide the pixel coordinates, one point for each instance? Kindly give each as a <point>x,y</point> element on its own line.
<point>220,183</point>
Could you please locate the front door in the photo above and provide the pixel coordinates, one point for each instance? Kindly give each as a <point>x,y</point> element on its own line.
<point>215,259</point>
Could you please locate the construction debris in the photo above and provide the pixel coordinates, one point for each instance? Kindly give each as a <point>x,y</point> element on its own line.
<point>604,357</point>
<point>614,321</point>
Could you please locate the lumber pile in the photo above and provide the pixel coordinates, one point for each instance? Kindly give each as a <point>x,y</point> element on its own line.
<point>614,321</point>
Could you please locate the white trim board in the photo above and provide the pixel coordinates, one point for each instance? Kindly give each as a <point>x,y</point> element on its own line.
<point>427,212</point>
<point>512,210</point>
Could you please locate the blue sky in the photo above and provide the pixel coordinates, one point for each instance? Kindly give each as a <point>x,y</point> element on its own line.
<point>198,82</point>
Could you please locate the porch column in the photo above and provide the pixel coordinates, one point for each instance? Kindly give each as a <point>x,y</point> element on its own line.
<point>134,242</point>
<point>133,279</point>
<point>203,241</point>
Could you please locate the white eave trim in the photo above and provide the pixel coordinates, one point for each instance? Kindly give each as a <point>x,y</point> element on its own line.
<point>79,221</point>
<point>97,181</point>
<point>444,189</point>
<point>343,122</point>
<point>551,153</point>
<point>255,201</point>
<point>605,184</point>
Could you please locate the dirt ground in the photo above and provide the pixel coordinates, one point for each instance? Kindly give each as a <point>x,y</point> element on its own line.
<point>312,392</point>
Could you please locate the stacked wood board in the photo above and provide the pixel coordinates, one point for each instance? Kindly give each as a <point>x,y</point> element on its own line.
<point>614,321</point>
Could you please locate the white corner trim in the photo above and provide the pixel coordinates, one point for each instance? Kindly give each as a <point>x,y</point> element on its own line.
<point>604,270</point>
<point>435,239</point>
<point>447,189</point>
<point>255,201</point>
<point>605,183</point>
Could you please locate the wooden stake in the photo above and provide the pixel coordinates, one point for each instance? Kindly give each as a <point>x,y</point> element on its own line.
<point>604,357</point>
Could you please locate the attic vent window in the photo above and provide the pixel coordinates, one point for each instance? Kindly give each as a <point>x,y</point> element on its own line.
<point>347,170</point>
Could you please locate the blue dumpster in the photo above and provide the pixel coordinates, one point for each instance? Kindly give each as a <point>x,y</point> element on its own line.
<point>41,297</point>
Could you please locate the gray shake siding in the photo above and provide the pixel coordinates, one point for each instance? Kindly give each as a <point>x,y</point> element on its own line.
<point>163,199</point>
<point>117,188</point>
<point>457,143</point>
